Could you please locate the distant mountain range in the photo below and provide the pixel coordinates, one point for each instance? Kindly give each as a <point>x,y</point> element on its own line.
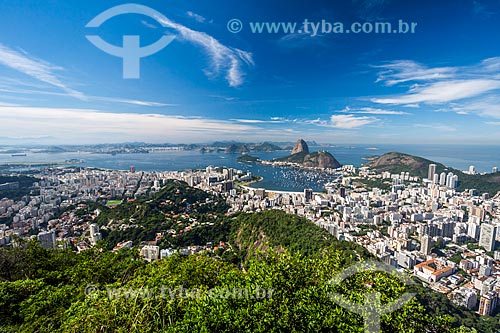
<point>248,147</point>
<point>143,147</point>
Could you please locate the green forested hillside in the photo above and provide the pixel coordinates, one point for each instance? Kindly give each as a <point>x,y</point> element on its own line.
<point>59,291</point>
<point>418,166</point>
<point>171,208</point>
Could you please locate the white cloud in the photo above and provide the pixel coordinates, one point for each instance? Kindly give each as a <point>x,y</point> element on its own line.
<point>493,123</point>
<point>78,126</point>
<point>130,101</point>
<point>374,111</point>
<point>479,9</point>
<point>443,128</point>
<point>7,104</point>
<point>45,72</point>
<point>249,121</point>
<point>148,25</point>
<point>335,121</point>
<point>488,107</point>
<point>350,121</point>
<point>316,121</point>
<point>30,92</point>
<point>442,85</point>
<point>225,98</point>
<point>93,126</point>
<point>37,69</point>
<point>272,120</point>
<point>195,16</point>
<point>406,70</point>
<point>414,106</point>
<point>224,58</point>
<point>441,92</point>
<point>369,10</point>
<point>464,90</point>
<point>300,40</point>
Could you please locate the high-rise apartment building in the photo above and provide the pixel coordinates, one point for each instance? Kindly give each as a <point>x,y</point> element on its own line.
<point>425,244</point>
<point>47,239</point>
<point>488,303</point>
<point>95,235</point>
<point>487,236</point>
<point>432,172</point>
<point>442,179</point>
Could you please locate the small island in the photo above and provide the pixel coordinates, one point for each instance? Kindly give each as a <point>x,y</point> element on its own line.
<point>245,158</point>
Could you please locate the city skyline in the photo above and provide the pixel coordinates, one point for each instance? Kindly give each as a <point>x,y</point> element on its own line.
<point>439,84</point>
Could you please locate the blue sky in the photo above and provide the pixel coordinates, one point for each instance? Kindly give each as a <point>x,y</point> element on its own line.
<point>438,85</point>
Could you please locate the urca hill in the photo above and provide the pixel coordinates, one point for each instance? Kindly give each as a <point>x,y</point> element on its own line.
<point>301,155</point>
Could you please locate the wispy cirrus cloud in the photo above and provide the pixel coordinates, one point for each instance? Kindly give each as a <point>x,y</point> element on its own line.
<point>35,68</point>
<point>131,101</point>
<point>196,17</point>
<point>94,126</point>
<point>24,91</point>
<point>346,122</point>
<point>87,126</point>
<point>351,121</point>
<point>8,104</point>
<point>402,71</point>
<point>480,10</point>
<point>439,85</point>
<point>224,58</point>
<point>224,98</point>
<point>249,121</point>
<point>273,120</point>
<point>443,128</point>
<point>487,107</point>
<point>442,92</point>
<point>300,40</point>
<point>45,76</point>
<point>374,111</point>
<point>148,24</point>
<point>370,9</point>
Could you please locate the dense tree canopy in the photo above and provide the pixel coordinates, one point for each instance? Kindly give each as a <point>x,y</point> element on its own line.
<point>100,291</point>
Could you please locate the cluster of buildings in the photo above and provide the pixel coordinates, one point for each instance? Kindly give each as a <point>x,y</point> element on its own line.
<point>151,252</point>
<point>444,179</point>
<point>447,239</point>
<point>41,213</point>
<point>52,212</point>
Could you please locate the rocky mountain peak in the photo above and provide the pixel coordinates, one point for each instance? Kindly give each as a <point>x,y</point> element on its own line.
<point>300,147</point>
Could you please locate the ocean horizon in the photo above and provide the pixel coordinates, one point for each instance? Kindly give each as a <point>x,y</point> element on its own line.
<point>483,157</point>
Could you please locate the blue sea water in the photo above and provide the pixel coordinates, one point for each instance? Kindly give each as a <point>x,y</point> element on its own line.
<point>484,158</point>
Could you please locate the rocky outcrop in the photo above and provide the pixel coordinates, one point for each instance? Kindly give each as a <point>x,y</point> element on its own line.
<point>301,155</point>
<point>399,159</point>
<point>321,159</point>
<point>300,147</point>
